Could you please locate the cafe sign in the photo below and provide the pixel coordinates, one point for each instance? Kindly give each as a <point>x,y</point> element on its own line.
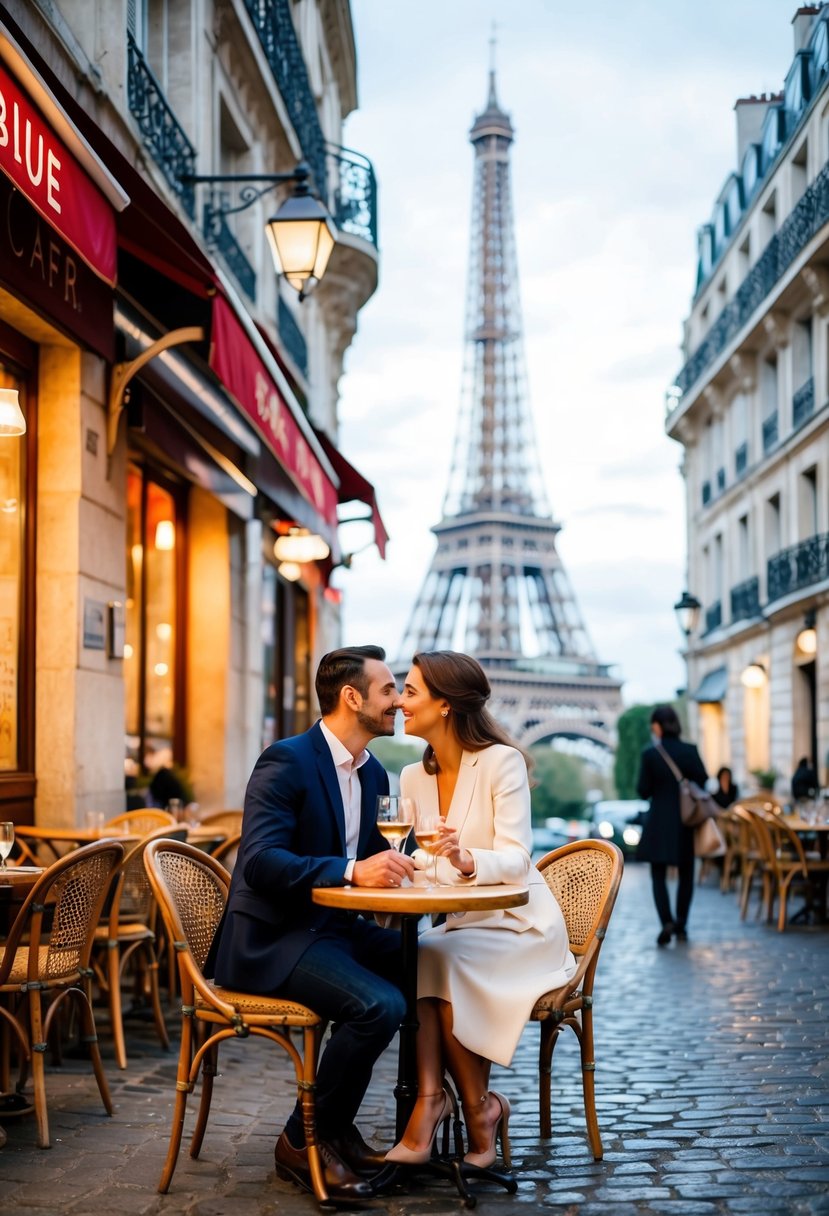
<point>41,167</point>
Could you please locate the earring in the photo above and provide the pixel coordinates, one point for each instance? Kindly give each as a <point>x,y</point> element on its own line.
<point>444,713</point>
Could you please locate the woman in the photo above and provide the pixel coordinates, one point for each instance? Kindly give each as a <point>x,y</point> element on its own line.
<point>480,973</point>
<point>666,841</point>
<point>726,793</point>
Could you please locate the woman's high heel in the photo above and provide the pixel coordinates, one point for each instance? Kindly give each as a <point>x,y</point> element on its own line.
<point>401,1155</point>
<point>499,1128</point>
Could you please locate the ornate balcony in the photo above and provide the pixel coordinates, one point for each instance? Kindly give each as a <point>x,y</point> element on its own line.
<point>803,402</point>
<point>713,617</point>
<point>741,459</point>
<point>291,336</point>
<point>799,566</point>
<point>770,432</point>
<point>354,193</point>
<point>162,133</point>
<point>809,215</point>
<point>219,236</point>
<point>745,600</point>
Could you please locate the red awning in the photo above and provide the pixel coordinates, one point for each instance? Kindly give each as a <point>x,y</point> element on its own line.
<point>242,369</point>
<point>355,487</point>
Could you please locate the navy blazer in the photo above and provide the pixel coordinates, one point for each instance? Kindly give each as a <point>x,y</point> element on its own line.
<point>293,839</point>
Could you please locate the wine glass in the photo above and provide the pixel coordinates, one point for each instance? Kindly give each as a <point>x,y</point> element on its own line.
<point>428,824</point>
<point>6,841</point>
<point>395,817</point>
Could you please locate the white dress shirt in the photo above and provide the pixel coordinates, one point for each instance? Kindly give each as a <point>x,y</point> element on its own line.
<point>350,789</point>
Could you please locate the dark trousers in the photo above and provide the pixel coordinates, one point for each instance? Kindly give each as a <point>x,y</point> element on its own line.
<point>353,980</point>
<point>684,891</point>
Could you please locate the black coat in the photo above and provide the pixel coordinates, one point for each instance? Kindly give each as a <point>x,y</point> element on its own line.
<point>665,838</point>
<point>293,839</point>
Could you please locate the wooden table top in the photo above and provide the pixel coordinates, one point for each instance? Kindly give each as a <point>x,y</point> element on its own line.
<point>802,825</point>
<point>20,876</point>
<point>28,831</point>
<point>417,899</point>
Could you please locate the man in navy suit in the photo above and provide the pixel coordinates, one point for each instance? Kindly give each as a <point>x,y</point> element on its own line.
<point>310,821</point>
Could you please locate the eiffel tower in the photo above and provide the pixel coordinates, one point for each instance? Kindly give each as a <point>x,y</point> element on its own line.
<point>497,587</point>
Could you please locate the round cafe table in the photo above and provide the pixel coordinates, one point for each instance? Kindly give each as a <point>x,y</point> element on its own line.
<point>410,903</point>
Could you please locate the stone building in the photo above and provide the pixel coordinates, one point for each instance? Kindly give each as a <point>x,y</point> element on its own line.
<point>751,408</point>
<point>180,399</point>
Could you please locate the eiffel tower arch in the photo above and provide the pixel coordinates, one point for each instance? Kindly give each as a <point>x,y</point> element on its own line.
<point>497,587</point>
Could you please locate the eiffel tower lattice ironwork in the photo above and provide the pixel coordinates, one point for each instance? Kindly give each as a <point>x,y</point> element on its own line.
<point>497,587</point>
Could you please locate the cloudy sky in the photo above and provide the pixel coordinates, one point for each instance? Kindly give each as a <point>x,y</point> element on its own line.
<point>625,134</point>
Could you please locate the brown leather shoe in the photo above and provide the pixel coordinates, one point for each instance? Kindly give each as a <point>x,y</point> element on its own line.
<point>353,1149</point>
<point>340,1181</point>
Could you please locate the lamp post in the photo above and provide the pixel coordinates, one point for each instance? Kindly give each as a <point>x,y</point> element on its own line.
<point>301,234</point>
<point>687,609</point>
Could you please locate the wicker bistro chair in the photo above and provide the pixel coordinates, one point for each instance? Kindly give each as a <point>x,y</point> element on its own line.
<point>786,862</point>
<point>752,858</point>
<point>224,821</point>
<point>191,889</point>
<point>584,876</point>
<point>34,964</point>
<point>127,936</point>
<point>228,851</point>
<point>140,822</point>
<point>732,858</point>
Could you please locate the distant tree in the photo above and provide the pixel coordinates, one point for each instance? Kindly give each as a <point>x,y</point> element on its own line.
<point>394,754</point>
<point>634,733</point>
<point>560,786</point>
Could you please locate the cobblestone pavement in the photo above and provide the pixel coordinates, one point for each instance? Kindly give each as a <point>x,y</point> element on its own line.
<point>712,1081</point>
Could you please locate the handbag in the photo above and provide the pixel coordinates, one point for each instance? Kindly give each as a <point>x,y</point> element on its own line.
<point>708,839</point>
<point>695,804</point>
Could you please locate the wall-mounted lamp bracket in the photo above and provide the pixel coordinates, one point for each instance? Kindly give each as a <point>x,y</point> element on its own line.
<point>122,373</point>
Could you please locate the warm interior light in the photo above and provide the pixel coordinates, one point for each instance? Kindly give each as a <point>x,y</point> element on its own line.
<point>12,421</point>
<point>807,640</point>
<point>165,535</point>
<point>164,631</point>
<point>301,236</point>
<point>754,676</point>
<point>290,570</point>
<point>300,545</point>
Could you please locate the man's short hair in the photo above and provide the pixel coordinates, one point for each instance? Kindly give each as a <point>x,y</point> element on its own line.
<point>341,667</point>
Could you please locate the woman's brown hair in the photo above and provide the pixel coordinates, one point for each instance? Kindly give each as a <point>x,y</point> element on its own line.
<point>460,680</point>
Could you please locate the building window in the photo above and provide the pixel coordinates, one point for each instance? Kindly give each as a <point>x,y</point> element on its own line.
<point>808,504</point>
<point>743,548</point>
<point>16,577</point>
<point>774,529</point>
<point>153,665</point>
<point>286,656</point>
<point>799,172</point>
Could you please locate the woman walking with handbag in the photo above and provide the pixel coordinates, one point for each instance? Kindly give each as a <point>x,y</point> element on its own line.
<point>666,841</point>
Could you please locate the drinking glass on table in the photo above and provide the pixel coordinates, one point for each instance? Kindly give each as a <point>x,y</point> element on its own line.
<point>395,818</point>
<point>6,841</point>
<point>428,824</point>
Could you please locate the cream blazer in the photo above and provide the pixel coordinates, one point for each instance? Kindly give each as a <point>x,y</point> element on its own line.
<point>490,810</point>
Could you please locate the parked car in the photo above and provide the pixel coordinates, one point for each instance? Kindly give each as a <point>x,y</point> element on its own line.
<point>619,820</point>
<point>555,833</point>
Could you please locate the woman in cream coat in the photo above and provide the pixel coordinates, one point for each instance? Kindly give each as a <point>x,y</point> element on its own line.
<point>480,973</point>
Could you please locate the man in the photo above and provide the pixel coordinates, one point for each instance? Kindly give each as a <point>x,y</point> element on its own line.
<point>310,821</point>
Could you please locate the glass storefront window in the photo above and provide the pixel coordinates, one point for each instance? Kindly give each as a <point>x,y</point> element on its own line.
<point>12,500</point>
<point>150,651</point>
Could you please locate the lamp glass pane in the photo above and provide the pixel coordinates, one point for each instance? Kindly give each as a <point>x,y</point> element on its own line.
<point>12,580</point>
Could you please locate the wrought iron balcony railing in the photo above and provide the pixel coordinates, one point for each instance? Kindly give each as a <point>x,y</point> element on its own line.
<point>803,402</point>
<point>162,133</point>
<point>809,215</point>
<point>291,336</point>
<point>354,193</point>
<point>799,566</point>
<point>741,459</point>
<point>745,600</point>
<point>272,22</point>
<point>713,616</point>
<point>770,432</point>
<point>219,236</point>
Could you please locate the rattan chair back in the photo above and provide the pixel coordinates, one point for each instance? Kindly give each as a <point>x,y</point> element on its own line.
<point>228,851</point>
<point>224,821</point>
<point>584,876</point>
<point>141,822</point>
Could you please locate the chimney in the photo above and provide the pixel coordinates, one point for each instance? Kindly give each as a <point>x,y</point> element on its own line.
<point>802,22</point>
<point>751,113</point>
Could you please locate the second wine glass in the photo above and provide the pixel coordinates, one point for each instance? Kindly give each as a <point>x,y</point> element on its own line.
<point>427,834</point>
<point>395,818</point>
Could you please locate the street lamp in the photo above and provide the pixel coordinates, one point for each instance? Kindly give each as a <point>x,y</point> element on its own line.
<point>753,676</point>
<point>12,421</point>
<point>300,545</point>
<point>301,234</point>
<point>807,638</point>
<point>687,609</point>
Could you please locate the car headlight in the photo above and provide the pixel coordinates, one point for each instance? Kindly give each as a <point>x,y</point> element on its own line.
<point>606,829</point>
<point>632,836</point>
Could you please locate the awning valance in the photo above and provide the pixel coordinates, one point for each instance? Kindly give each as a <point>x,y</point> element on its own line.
<point>713,687</point>
<point>355,487</point>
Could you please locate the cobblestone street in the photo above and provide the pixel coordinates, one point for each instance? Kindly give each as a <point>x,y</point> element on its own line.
<point>712,1082</point>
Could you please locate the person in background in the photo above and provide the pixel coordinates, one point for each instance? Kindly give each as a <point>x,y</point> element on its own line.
<point>804,780</point>
<point>726,793</point>
<point>666,841</point>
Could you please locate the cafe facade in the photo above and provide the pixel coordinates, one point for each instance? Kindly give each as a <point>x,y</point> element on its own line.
<point>180,404</point>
